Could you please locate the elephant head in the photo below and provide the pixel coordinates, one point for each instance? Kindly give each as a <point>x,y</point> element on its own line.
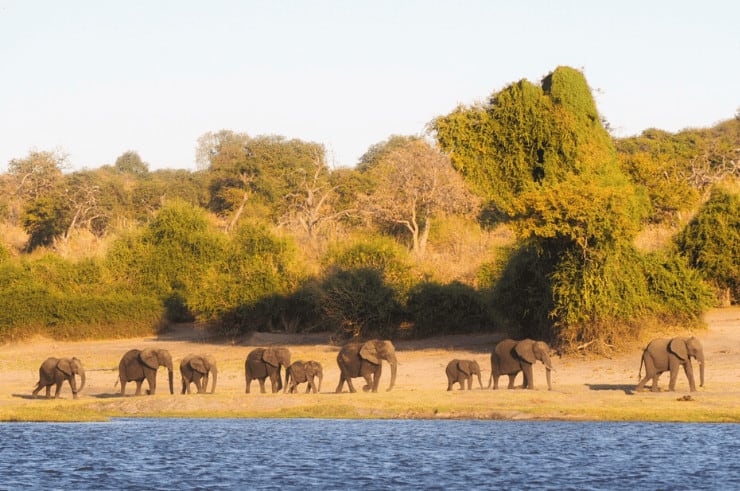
<point>376,350</point>
<point>155,358</point>
<point>70,368</point>
<point>685,348</point>
<point>530,351</point>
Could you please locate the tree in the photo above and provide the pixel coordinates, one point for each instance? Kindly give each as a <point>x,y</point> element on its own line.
<point>414,183</point>
<point>130,163</point>
<point>263,170</point>
<point>38,174</point>
<point>542,159</point>
<point>313,204</point>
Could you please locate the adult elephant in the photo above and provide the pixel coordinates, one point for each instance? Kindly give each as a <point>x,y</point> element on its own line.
<point>461,371</point>
<point>266,362</point>
<point>299,372</point>
<point>365,360</point>
<point>663,355</point>
<point>510,357</point>
<point>195,369</point>
<point>54,371</point>
<point>137,365</point>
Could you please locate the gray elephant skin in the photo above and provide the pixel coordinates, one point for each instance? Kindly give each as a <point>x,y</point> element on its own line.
<point>303,371</point>
<point>54,371</point>
<point>137,365</point>
<point>662,355</point>
<point>462,371</point>
<point>510,357</point>
<point>266,362</point>
<point>365,360</point>
<point>195,369</point>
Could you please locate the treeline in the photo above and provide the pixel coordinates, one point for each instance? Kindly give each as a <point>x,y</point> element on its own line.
<point>520,213</point>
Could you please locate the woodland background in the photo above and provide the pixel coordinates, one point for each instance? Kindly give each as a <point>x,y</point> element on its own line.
<point>519,213</point>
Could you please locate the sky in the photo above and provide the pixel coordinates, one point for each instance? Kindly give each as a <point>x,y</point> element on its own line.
<point>94,79</point>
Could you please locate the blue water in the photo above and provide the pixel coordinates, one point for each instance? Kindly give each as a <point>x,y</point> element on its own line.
<point>367,454</point>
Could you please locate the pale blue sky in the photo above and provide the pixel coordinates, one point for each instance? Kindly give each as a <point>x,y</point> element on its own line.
<point>94,79</point>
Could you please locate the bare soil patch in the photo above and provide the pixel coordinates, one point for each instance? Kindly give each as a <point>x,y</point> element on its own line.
<point>584,388</point>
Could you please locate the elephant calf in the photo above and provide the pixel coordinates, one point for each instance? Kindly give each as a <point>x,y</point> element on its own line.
<point>461,371</point>
<point>303,371</point>
<point>54,371</point>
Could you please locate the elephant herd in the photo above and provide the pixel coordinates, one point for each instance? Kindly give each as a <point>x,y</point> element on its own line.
<point>360,359</point>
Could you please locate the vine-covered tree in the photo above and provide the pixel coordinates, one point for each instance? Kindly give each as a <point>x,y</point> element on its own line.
<point>541,157</point>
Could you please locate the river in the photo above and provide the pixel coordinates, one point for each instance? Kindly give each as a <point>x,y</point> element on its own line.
<point>282,454</point>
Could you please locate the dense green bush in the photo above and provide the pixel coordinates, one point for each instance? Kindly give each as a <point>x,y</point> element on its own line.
<point>711,241</point>
<point>358,303</point>
<point>454,308</point>
<point>53,297</point>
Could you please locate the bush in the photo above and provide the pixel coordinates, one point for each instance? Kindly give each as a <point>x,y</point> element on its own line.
<point>454,308</point>
<point>711,242</point>
<point>358,303</point>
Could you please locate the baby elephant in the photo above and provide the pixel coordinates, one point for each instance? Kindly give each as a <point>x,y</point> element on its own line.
<point>303,371</point>
<point>54,371</point>
<point>461,371</point>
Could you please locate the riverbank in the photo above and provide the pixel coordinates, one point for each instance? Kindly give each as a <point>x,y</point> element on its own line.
<point>584,388</point>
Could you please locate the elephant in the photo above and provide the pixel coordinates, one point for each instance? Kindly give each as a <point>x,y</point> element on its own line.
<point>299,372</point>
<point>266,362</point>
<point>365,360</point>
<point>510,357</point>
<point>54,371</point>
<point>461,371</point>
<point>137,365</point>
<point>662,355</point>
<point>196,369</point>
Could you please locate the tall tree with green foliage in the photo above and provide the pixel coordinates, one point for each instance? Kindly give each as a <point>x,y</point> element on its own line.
<point>542,159</point>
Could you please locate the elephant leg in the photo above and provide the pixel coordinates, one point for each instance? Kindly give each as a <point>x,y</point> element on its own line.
<point>249,382</point>
<point>57,389</point>
<point>262,385</point>
<point>72,385</point>
<point>123,387</point>
<point>495,381</point>
<point>689,370</point>
<point>673,369</point>
<point>512,377</point>
<point>138,387</point>
<point>151,379</point>
<point>528,378</point>
<point>470,382</point>
<point>643,381</point>
<point>350,386</point>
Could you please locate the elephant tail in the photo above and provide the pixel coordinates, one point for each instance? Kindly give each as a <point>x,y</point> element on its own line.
<point>490,380</point>
<point>642,362</point>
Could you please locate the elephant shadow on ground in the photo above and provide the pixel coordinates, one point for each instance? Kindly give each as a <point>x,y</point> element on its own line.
<point>628,389</point>
<point>29,396</point>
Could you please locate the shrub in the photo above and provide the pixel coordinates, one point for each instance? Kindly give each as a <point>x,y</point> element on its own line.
<point>454,308</point>
<point>711,241</point>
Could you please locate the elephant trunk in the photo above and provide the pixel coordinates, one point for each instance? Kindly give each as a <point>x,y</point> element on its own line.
<point>548,369</point>
<point>171,379</point>
<point>394,366</point>
<point>321,377</point>
<point>82,380</point>
<point>480,382</point>
<point>701,371</point>
<point>214,372</point>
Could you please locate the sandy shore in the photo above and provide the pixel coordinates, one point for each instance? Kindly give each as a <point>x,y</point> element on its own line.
<point>583,388</point>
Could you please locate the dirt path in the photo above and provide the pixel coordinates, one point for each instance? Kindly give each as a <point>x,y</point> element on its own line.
<point>583,388</point>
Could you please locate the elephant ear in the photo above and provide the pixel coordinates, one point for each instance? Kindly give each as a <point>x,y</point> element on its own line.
<point>198,365</point>
<point>149,358</point>
<point>525,350</point>
<point>369,352</point>
<point>464,367</point>
<point>65,367</point>
<point>677,346</point>
<point>270,357</point>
